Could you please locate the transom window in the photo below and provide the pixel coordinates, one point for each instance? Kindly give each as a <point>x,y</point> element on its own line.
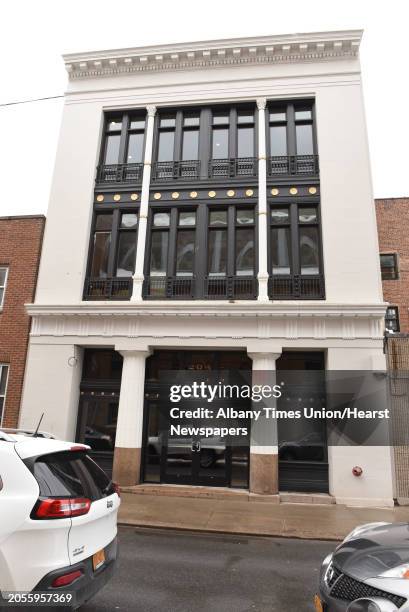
<point>389,266</point>
<point>4,372</point>
<point>295,240</point>
<point>3,283</point>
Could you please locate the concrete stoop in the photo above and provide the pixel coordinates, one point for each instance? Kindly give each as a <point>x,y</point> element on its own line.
<point>165,490</point>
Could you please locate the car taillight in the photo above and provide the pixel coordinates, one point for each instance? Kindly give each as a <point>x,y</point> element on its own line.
<point>66,579</point>
<point>116,488</point>
<point>62,508</point>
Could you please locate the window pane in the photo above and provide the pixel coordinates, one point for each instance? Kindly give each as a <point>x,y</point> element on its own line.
<point>3,379</point>
<point>276,116</point>
<point>114,126</point>
<point>245,216</point>
<point>189,121</point>
<point>281,250</point>
<point>245,142</point>
<point>112,149</point>
<point>187,218</point>
<point>103,222</point>
<point>135,148</point>
<point>217,263</point>
<point>388,267</point>
<point>222,119</point>
<point>245,117</point>
<point>100,253</point>
<point>159,253</point>
<point>167,122</point>
<point>245,252</point>
<point>185,252</point>
<point>190,149</point>
<point>307,215</point>
<point>218,217</point>
<point>280,215</point>
<point>3,274</point>
<point>129,220</point>
<point>137,124</point>
<point>161,219</point>
<point>304,140</point>
<point>126,254</point>
<point>278,140</point>
<point>1,296</point>
<point>303,114</point>
<point>165,149</point>
<point>220,148</point>
<point>309,254</point>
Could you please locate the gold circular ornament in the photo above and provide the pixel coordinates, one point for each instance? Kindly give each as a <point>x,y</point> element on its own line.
<point>293,190</point>
<point>275,191</point>
<point>312,190</point>
<point>249,192</point>
<point>231,193</point>
<point>212,194</point>
<point>175,195</point>
<point>157,196</point>
<point>100,198</point>
<point>117,197</point>
<point>134,196</point>
<point>193,194</point>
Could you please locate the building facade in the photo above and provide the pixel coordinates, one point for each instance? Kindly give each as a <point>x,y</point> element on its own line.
<point>20,248</point>
<point>228,226</point>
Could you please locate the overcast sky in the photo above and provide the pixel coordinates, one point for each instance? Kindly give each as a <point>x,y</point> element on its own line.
<point>33,35</point>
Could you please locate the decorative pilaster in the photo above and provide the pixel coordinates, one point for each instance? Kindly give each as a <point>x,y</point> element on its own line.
<point>262,203</point>
<point>143,212</point>
<point>264,436</point>
<point>128,441</point>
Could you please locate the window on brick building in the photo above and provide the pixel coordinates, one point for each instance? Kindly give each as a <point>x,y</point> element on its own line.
<point>3,283</point>
<point>4,371</point>
<point>392,319</point>
<point>389,266</point>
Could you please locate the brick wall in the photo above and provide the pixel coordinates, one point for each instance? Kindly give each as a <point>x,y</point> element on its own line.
<point>20,247</point>
<point>393,230</point>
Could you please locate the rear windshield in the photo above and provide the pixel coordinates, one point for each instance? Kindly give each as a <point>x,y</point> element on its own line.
<point>71,474</point>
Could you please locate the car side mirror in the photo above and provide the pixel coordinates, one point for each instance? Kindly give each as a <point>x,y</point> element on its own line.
<point>371,604</point>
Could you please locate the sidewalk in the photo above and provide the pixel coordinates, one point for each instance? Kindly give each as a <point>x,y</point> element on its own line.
<point>239,516</point>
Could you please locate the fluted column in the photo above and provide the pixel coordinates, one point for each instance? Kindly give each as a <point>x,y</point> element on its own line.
<point>262,203</point>
<point>264,435</point>
<point>128,441</point>
<point>143,212</point>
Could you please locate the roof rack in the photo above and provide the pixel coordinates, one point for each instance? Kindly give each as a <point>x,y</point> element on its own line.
<point>24,432</point>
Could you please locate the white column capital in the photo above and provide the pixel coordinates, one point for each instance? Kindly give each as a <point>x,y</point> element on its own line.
<point>263,358</point>
<point>261,103</point>
<point>151,110</point>
<point>142,354</point>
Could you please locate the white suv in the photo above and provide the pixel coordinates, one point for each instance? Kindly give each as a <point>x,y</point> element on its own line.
<point>58,518</point>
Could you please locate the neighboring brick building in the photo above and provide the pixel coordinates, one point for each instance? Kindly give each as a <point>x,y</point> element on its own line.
<point>20,248</point>
<point>393,230</point>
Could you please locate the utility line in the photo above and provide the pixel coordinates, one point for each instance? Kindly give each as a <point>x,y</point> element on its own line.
<point>29,101</point>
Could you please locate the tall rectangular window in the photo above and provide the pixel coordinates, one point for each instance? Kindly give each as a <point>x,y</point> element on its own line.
<point>278,132</point>
<point>100,246</point>
<point>220,136</point>
<point>304,130</point>
<point>392,319</point>
<point>4,271</point>
<point>126,251</point>
<point>244,242</point>
<point>190,137</point>
<point>280,241</point>
<point>245,134</point>
<point>112,141</point>
<point>159,244</point>
<point>4,372</point>
<point>217,249</point>
<point>166,142</point>
<point>135,145</point>
<point>185,243</point>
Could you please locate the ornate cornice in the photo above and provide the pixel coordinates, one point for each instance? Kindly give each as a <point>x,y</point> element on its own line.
<point>321,46</point>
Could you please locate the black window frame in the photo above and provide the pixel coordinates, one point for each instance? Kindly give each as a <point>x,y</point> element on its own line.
<point>394,274</point>
<point>392,318</point>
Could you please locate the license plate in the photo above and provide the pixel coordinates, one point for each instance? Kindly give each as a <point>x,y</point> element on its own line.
<point>98,559</point>
<point>319,607</point>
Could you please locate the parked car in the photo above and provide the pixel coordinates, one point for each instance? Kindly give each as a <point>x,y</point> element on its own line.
<point>368,571</point>
<point>58,518</point>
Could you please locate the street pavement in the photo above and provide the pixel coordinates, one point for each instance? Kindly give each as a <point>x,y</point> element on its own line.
<point>173,571</point>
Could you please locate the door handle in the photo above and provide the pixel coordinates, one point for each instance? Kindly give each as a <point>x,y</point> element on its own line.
<point>195,446</point>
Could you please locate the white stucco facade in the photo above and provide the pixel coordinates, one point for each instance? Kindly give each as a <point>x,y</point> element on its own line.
<point>347,325</point>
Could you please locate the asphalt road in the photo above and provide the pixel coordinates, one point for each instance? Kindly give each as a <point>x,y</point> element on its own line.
<point>170,571</point>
